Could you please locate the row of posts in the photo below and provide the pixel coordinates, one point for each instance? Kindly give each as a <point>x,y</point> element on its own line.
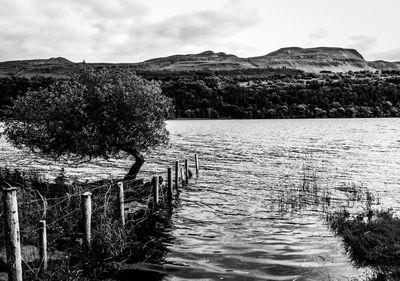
<point>11,222</point>
<point>184,177</point>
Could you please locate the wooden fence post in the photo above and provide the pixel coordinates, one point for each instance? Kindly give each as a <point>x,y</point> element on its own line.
<point>196,163</point>
<point>155,190</point>
<point>13,242</point>
<point>121,202</point>
<point>176,175</point>
<point>186,171</point>
<point>43,244</point>
<point>87,220</point>
<point>182,176</point>
<point>169,187</point>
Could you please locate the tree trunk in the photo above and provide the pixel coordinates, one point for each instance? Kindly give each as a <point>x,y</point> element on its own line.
<point>135,168</point>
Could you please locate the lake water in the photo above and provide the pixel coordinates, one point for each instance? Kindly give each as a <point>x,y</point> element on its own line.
<point>256,210</point>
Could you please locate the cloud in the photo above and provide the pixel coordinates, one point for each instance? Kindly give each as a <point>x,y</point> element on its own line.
<point>388,55</point>
<point>134,30</point>
<point>199,26</point>
<point>74,29</point>
<point>362,42</point>
<point>195,31</point>
<point>317,35</point>
<point>118,30</point>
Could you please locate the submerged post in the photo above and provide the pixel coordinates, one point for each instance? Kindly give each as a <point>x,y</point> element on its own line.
<point>43,244</point>
<point>121,202</point>
<point>186,171</point>
<point>155,190</point>
<point>169,185</point>
<point>87,220</point>
<point>176,175</point>
<point>12,238</point>
<point>196,163</point>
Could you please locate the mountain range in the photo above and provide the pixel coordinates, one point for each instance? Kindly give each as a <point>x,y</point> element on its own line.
<point>307,59</point>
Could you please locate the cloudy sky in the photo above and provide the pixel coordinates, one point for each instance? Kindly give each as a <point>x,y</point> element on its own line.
<point>132,30</point>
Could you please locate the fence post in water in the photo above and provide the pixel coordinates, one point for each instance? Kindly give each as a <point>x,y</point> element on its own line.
<point>12,238</point>
<point>169,185</point>
<point>155,190</point>
<point>196,163</point>
<point>186,171</point>
<point>176,175</point>
<point>43,244</point>
<point>182,176</point>
<point>87,219</point>
<point>121,202</point>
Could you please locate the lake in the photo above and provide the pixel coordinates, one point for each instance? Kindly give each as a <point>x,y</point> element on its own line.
<point>256,210</point>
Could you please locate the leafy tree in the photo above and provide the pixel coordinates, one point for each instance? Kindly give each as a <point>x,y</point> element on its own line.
<point>93,113</point>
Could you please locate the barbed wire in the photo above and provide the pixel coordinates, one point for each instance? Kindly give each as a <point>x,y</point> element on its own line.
<point>84,189</point>
<point>56,221</point>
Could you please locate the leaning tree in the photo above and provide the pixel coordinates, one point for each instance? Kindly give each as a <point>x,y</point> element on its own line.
<point>92,113</point>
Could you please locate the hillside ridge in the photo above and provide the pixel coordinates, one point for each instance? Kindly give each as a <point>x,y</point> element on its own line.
<point>315,60</point>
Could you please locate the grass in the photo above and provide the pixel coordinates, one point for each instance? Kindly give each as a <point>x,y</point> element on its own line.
<point>142,238</point>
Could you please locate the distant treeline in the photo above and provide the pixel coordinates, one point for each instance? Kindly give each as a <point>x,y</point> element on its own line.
<point>283,93</point>
<point>260,93</point>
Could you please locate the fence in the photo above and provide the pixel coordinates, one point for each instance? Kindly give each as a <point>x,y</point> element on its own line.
<point>11,218</point>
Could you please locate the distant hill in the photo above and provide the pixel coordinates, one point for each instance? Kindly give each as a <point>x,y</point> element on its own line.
<point>306,59</point>
<point>207,60</point>
<point>314,59</point>
<point>384,65</point>
<point>44,67</point>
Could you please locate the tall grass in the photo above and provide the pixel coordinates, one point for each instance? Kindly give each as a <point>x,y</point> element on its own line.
<point>371,238</point>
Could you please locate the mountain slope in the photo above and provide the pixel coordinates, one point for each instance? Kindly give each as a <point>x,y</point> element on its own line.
<point>207,60</point>
<point>45,67</point>
<point>384,65</point>
<point>314,59</point>
<point>306,59</point>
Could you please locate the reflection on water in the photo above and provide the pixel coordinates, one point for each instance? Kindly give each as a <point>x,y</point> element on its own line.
<point>254,213</point>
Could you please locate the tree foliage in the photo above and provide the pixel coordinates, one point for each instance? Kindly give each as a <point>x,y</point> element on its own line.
<point>93,113</point>
<point>12,87</point>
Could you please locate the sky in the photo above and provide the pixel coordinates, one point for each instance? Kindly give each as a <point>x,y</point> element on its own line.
<point>134,31</point>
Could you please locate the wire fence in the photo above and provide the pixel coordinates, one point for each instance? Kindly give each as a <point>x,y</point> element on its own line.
<point>65,212</point>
